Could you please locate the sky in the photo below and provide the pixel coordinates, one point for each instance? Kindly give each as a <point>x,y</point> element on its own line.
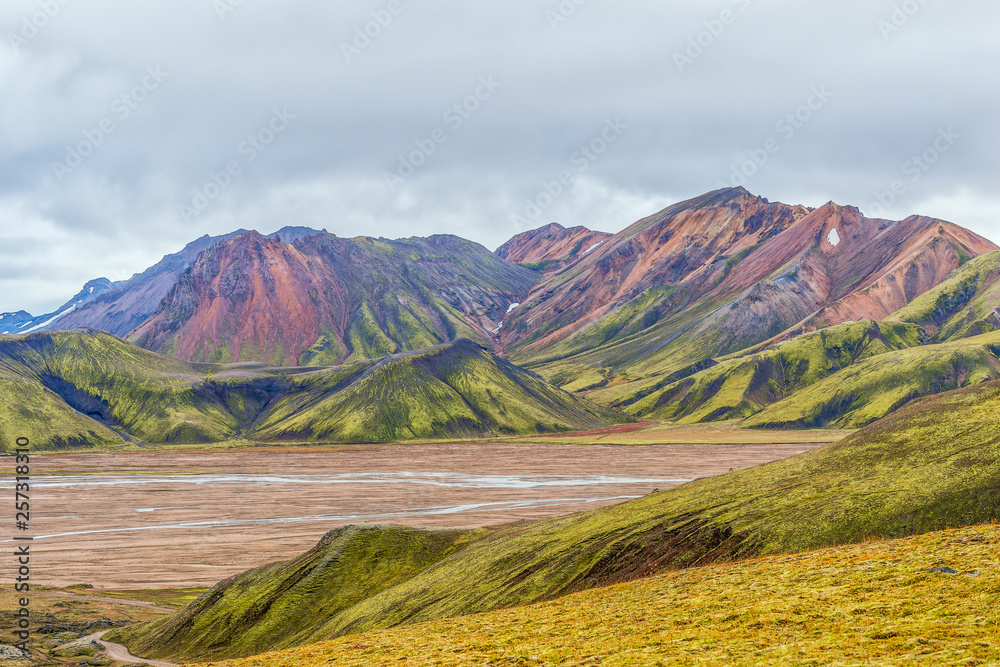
<point>128,129</point>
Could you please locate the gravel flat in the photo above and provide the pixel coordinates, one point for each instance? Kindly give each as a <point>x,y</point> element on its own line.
<point>191,519</point>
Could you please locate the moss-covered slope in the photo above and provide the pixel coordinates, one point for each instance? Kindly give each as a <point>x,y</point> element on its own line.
<point>454,389</point>
<point>877,603</point>
<point>91,388</point>
<point>80,388</point>
<point>841,377</point>
<point>966,304</point>
<point>743,385</point>
<point>288,603</point>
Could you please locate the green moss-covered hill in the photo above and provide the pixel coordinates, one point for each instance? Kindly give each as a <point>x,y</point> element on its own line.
<point>286,604</point>
<point>87,388</point>
<point>933,464</point>
<point>876,603</point>
<point>843,376</point>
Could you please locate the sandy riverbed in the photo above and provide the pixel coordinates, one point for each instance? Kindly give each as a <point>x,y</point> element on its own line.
<point>171,520</point>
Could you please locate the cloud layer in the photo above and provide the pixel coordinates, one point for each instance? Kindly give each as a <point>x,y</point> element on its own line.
<point>129,129</point>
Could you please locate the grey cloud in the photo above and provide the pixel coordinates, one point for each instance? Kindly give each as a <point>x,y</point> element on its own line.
<point>687,129</point>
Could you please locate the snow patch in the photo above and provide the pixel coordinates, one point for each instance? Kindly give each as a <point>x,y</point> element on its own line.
<point>833,237</point>
<point>512,307</point>
<point>592,247</point>
<point>50,321</point>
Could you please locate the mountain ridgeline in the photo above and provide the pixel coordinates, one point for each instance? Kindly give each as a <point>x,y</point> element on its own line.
<point>303,297</point>
<point>88,388</point>
<point>726,306</point>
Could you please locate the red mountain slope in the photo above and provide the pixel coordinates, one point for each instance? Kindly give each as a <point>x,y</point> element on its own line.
<point>723,272</point>
<point>551,247</point>
<point>324,299</point>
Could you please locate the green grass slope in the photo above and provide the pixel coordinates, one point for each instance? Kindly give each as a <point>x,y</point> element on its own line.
<point>842,377</point>
<point>285,604</point>
<point>931,465</point>
<point>453,389</point>
<point>874,387</point>
<point>741,386</point>
<point>966,304</point>
<point>87,388</point>
<point>92,388</point>
<point>877,603</point>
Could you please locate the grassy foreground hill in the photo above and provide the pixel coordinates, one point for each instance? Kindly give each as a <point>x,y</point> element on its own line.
<point>87,388</point>
<point>933,464</point>
<point>871,603</point>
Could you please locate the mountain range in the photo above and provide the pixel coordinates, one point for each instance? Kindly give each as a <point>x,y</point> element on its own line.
<point>725,306</point>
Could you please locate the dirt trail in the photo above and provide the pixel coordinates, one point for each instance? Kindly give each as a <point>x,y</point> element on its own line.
<point>121,654</point>
<point>96,598</point>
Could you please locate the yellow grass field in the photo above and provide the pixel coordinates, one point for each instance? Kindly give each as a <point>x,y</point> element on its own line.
<point>871,603</point>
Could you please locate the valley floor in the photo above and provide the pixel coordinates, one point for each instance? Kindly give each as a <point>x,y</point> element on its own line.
<point>179,519</point>
<point>872,603</point>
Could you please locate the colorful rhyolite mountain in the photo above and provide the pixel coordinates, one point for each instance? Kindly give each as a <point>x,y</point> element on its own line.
<point>551,247</point>
<point>718,274</point>
<point>637,320</point>
<point>305,297</point>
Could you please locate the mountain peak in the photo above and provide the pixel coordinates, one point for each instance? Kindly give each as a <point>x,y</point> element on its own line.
<point>552,246</point>
<point>291,234</point>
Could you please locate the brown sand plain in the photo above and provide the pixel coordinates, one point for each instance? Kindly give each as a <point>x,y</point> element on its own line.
<point>188,519</point>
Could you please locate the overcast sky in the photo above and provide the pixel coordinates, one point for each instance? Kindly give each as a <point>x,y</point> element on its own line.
<point>320,124</point>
